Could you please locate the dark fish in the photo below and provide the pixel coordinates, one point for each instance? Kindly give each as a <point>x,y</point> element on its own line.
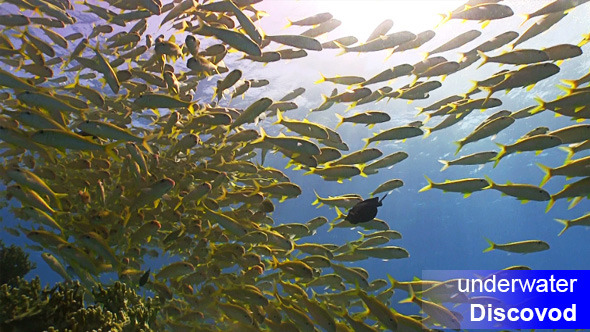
<point>144,278</point>
<point>364,211</point>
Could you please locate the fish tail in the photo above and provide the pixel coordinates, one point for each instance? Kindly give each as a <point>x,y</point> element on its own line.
<point>427,132</point>
<point>489,91</point>
<point>428,186</point>
<point>411,296</point>
<point>568,91</point>
<point>547,171</point>
<point>275,262</point>
<point>341,118</point>
<point>351,106</point>
<point>311,171</point>
<point>256,190</point>
<point>361,168</point>
<point>526,18</point>
<point>570,152</point>
<point>566,224</point>
<point>575,202</point>
<point>76,81</point>
<point>339,214</point>
<point>444,19</point>
<point>289,23</point>
<point>261,138</point>
<point>317,200</point>
<point>539,108</point>
<point>491,183</point>
<point>331,227</point>
<point>341,47</point>
<point>459,146</point>
<point>279,117</point>
<point>484,58</point>
<point>491,247</point>
<point>445,164</point>
<point>323,79</point>
<point>500,154</point>
<point>146,139</point>
<point>368,141</point>
<point>550,204</point>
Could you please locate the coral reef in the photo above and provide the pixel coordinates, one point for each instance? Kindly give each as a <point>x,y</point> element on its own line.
<point>28,307</point>
<point>14,263</point>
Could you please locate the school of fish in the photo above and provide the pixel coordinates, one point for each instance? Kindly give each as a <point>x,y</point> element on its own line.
<point>114,155</point>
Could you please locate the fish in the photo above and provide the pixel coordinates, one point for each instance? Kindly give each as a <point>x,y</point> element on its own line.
<point>397,133</point>
<point>380,30</point>
<point>484,12</point>
<point>369,118</point>
<point>521,247</point>
<point>387,41</point>
<point>55,265</point>
<point>571,168</point>
<point>62,139</point>
<point>580,221</point>
<point>175,269</point>
<point>554,7</point>
<point>472,159</point>
<point>379,310</point>
<point>574,191</point>
<point>389,74</point>
<point>487,129</point>
<point>346,41</point>
<point>385,162</point>
<point>437,312</point>
<point>312,20</point>
<point>534,143</point>
<point>456,42</point>
<point>515,57</point>
<point>346,80</point>
<point>322,28</point>
<point>232,38</point>
<point>291,143</point>
<point>522,192</point>
<point>107,130</point>
<point>252,112</point>
<point>364,211</point>
<point>464,186</point>
<point>297,41</point>
<point>304,128</point>
<point>388,185</point>
<point>193,178</point>
<point>337,172</point>
<point>543,24</point>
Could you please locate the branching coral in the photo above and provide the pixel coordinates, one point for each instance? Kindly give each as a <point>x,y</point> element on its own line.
<point>28,307</point>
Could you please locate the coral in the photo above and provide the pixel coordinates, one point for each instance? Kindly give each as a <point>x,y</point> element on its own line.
<point>28,307</point>
<point>14,263</point>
